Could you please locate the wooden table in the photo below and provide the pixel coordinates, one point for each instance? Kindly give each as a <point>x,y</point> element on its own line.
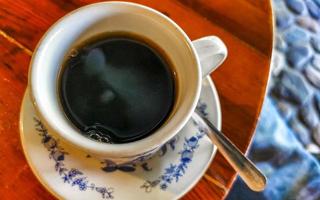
<point>244,25</point>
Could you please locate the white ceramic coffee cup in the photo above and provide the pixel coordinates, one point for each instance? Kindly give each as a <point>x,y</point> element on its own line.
<point>191,60</point>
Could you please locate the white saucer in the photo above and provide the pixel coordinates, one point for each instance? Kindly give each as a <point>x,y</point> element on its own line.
<point>72,174</point>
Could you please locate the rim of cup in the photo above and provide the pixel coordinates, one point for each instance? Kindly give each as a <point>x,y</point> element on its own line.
<point>130,149</point>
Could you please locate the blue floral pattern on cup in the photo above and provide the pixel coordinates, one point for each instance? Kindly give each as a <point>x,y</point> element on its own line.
<point>110,166</point>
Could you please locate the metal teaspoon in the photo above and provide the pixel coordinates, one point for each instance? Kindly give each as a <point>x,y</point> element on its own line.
<point>249,173</point>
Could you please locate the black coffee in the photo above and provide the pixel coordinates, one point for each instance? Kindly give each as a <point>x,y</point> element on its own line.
<point>117,88</point>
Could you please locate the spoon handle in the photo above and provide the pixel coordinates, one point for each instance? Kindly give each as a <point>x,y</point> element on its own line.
<point>249,173</point>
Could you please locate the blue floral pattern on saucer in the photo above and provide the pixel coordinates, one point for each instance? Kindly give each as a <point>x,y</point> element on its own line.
<point>73,176</point>
<point>174,171</point>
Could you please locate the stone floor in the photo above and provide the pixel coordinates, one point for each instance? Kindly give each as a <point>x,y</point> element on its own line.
<point>286,146</point>
<point>295,81</point>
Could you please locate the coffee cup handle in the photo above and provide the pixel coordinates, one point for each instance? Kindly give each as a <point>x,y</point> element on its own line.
<point>211,52</point>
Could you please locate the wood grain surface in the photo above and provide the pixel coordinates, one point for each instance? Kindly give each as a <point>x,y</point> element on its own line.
<point>244,25</point>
